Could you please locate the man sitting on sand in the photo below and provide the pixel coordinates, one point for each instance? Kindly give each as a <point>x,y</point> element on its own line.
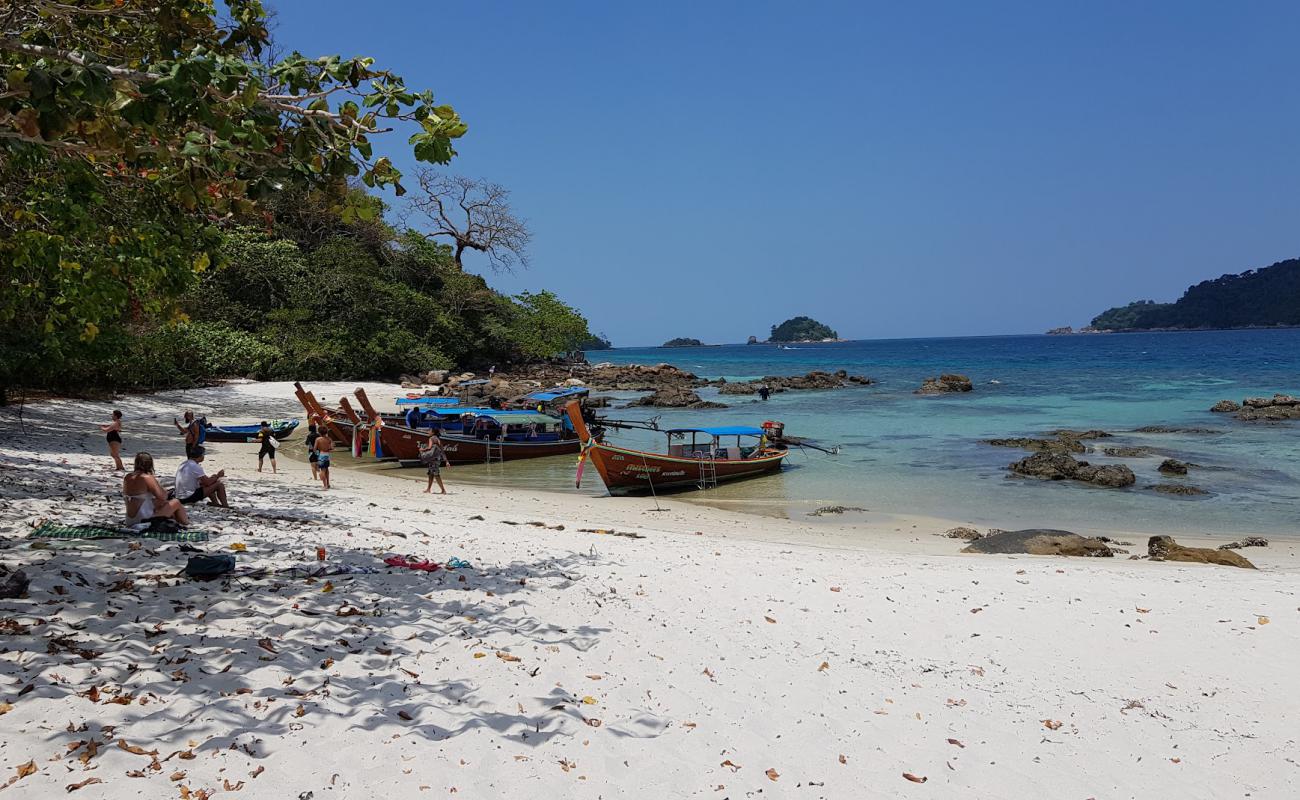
<point>323,447</point>
<point>193,485</point>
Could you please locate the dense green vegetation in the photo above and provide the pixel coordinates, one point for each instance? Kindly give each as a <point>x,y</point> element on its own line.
<point>801,329</point>
<point>176,205</point>
<point>1258,297</point>
<point>683,342</point>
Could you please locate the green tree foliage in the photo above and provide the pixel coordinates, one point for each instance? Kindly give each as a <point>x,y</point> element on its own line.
<point>1255,298</point>
<point>544,326</point>
<point>132,131</point>
<point>801,329</point>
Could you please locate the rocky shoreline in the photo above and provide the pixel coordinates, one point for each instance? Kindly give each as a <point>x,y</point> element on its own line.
<point>1277,408</point>
<point>668,386</point>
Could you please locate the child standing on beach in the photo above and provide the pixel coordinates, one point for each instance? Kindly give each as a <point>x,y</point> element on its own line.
<point>113,434</point>
<point>434,458</point>
<point>323,448</point>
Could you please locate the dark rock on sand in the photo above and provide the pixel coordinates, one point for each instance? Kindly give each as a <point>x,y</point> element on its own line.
<point>1225,407</point>
<point>1172,466</point>
<point>1040,542</point>
<point>962,532</point>
<point>1164,548</point>
<point>1058,466</point>
<point>14,585</point>
<point>1177,488</point>
<point>1249,541</point>
<point>946,384</point>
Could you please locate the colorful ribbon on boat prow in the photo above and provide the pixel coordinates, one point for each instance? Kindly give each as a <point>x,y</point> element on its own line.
<point>376,446</point>
<point>582,461</point>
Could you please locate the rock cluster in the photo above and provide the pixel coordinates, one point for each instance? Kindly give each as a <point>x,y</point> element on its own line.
<point>675,397</point>
<point>962,532</point>
<point>1164,548</point>
<point>1059,466</point>
<point>945,384</point>
<point>1178,489</point>
<point>1172,466</point>
<point>1040,542</point>
<point>1277,407</point>
<point>817,379</point>
<point>1249,541</point>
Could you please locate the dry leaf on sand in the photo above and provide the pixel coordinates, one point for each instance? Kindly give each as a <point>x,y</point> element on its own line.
<point>504,656</point>
<point>843,759</point>
<point>72,787</point>
<point>914,778</point>
<point>730,765</point>
<point>772,774</point>
<point>1052,724</point>
<point>956,743</point>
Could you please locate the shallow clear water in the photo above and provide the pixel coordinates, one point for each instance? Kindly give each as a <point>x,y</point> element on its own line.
<point>908,453</point>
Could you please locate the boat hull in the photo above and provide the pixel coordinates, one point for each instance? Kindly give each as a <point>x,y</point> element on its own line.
<point>404,443</point>
<point>639,472</point>
<point>246,433</point>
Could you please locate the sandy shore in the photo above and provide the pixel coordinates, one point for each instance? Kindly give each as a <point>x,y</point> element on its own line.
<point>712,654</point>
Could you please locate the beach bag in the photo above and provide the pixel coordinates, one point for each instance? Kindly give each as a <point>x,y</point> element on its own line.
<point>163,525</point>
<point>208,566</point>
<point>275,443</point>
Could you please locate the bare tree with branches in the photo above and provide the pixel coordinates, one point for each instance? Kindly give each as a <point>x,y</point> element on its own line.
<point>475,215</point>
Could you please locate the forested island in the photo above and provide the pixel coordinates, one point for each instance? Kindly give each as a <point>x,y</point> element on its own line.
<point>801,329</point>
<point>683,342</point>
<point>1255,298</point>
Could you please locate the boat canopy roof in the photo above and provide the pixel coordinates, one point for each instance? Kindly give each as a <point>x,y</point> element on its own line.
<point>509,417</point>
<point>557,392</point>
<point>722,430</point>
<point>427,401</point>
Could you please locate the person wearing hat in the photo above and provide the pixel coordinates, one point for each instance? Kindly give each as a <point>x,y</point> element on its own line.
<point>269,445</point>
<point>193,485</point>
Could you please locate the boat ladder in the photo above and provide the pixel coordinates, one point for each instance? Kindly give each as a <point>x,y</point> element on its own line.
<point>708,473</point>
<point>495,452</point>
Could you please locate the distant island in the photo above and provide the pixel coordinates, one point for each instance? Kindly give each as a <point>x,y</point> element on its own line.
<point>801,329</point>
<point>1267,297</point>
<point>683,342</point>
<point>596,342</point>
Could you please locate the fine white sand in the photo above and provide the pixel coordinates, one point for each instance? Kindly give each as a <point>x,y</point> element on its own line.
<point>719,655</point>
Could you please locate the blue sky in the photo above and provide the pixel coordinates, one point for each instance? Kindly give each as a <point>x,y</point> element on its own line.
<point>708,169</point>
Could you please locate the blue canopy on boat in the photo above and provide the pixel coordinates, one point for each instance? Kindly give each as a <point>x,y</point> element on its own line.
<point>556,392</point>
<point>723,430</point>
<point>486,412</point>
<point>427,401</point>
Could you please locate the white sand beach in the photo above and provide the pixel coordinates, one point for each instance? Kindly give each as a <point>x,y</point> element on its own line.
<point>701,653</point>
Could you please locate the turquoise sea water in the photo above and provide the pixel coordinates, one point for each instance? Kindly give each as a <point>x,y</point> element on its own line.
<point>909,453</point>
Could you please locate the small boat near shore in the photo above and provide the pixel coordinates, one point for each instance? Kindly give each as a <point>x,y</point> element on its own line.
<point>280,429</point>
<point>706,460</point>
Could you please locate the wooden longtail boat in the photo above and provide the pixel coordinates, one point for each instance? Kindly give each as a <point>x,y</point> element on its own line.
<point>336,424</point>
<point>521,435</point>
<point>697,465</point>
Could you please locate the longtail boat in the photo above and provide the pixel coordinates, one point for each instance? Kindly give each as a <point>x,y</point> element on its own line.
<point>497,435</point>
<point>280,429</point>
<point>707,460</point>
<point>341,426</point>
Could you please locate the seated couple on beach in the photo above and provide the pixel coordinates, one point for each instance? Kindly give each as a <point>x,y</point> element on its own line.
<point>146,500</point>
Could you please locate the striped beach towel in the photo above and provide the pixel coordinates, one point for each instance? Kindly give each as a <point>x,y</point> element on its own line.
<point>53,530</point>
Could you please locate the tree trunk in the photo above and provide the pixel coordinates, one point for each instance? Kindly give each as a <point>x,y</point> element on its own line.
<point>460,248</point>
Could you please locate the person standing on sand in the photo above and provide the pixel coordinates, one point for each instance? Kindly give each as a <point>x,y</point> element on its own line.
<point>434,459</point>
<point>323,448</point>
<point>192,484</point>
<point>313,431</point>
<point>269,444</point>
<point>113,434</point>
<point>190,431</point>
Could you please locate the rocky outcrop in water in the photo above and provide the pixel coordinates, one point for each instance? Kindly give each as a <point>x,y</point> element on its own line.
<point>1059,466</point>
<point>1225,407</point>
<point>1040,445</point>
<point>1164,548</point>
<point>1172,466</point>
<point>817,379</point>
<point>675,397</point>
<point>1127,452</point>
<point>1180,489</point>
<point>1276,408</point>
<point>1040,542</point>
<point>948,383</point>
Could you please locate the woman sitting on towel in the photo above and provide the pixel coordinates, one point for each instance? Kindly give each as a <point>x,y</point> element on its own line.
<point>145,499</point>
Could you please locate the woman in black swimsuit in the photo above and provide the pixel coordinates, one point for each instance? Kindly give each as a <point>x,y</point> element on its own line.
<point>313,431</point>
<point>113,435</point>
